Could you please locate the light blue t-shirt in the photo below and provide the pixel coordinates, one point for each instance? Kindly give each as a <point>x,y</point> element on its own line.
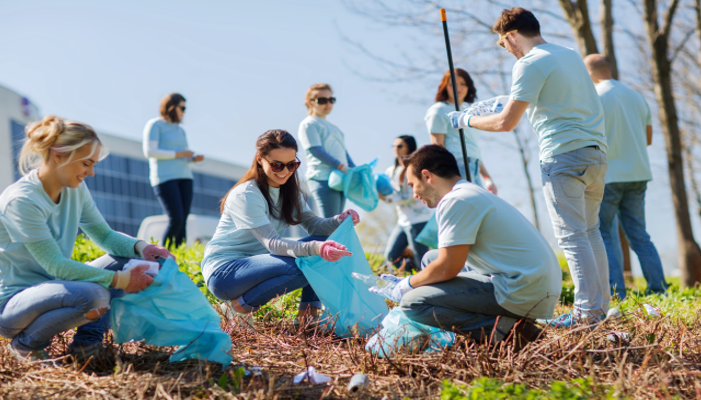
<point>627,116</point>
<point>505,249</point>
<point>314,131</point>
<point>170,137</point>
<point>245,208</point>
<point>564,109</point>
<point>437,121</point>
<point>28,215</point>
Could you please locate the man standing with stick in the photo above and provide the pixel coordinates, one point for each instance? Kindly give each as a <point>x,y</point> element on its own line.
<point>551,84</point>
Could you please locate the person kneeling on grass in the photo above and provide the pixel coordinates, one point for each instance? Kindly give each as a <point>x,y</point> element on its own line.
<point>247,263</point>
<point>512,275</point>
<point>42,291</point>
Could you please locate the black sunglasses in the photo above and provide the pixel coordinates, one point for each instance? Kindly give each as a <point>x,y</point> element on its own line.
<point>182,108</point>
<point>399,146</point>
<point>278,166</point>
<point>324,100</point>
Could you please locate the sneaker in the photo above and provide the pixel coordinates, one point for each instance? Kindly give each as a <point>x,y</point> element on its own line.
<point>525,332</point>
<point>569,320</point>
<point>30,355</point>
<point>244,320</point>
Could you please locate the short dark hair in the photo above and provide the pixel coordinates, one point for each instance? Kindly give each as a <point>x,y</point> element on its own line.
<point>434,158</point>
<point>168,105</point>
<point>518,19</point>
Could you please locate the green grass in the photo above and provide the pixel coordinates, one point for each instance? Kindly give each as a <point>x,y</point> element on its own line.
<point>492,389</point>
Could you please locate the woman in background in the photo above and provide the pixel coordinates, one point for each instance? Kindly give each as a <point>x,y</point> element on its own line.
<point>169,157</point>
<point>443,134</point>
<point>42,291</point>
<point>412,214</point>
<point>326,150</point>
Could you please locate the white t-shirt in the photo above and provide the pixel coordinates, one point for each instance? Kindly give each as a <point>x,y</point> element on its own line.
<point>505,248</point>
<point>437,121</point>
<point>314,131</point>
<point>245,208</point>
<point>410,211</point>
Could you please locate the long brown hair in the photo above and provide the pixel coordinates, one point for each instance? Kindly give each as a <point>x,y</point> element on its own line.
<point>442,94</point>
<point>293,198</point>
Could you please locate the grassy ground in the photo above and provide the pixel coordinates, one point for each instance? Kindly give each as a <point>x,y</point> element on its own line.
<point>661,360</point>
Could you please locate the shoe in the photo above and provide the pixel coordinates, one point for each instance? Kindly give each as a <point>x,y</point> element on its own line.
<point>30,355</point>
<point>524,332</point>
<point>243,320</point>
<point>569,320</point>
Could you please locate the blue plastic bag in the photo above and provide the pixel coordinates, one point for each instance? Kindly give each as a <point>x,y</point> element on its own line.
<point>383,184</point>
<point>429,234</point>
<point>346,299</point>
<point>336,180</point>
<point>172,311</point>
<point>400,334</point>
<point>359,186</point>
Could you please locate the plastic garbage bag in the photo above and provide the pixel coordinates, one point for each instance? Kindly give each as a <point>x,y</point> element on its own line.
<point>311,376</point>
<point>400,334</point>
<point>345,298</point>
<point>172,311</point>
<point>336,180</point>
<point>359,186</point>
<point>429,234</point>
<point>383,183</point>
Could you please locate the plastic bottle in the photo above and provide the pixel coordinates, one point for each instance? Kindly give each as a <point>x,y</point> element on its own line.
<point>373,280</point>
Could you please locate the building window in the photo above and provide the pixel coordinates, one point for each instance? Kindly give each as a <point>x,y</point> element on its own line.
<point>18,136</point>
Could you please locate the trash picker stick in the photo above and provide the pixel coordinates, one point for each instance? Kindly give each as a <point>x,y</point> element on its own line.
<point>455,92</point>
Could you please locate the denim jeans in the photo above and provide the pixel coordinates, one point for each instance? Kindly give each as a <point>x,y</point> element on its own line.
<point>464,303</point>
<point>399,239</point>
<point>329,202</point>
<point>474,164</point>
<point>573,184</point>
<point>628,200</point>
<point>175,197</point>
<point>257,280</point>
<point>36,314</point>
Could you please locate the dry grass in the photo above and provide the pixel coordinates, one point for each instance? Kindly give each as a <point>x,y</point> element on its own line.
<point>662,360</point>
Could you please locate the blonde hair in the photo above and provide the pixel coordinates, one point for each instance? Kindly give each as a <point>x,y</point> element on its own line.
<point>57,135</point>
<point>311,93</point>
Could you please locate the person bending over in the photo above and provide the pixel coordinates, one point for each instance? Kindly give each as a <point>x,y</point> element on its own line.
<point>248,263</point>
<point>512,275</point>
<point>551,84</point>
<point>42,291</point>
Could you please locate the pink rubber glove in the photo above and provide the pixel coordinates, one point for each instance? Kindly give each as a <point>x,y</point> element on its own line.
<point>353,214</point>
<point>138,280</point>
<point>152,251</point>
<point>333,251</point>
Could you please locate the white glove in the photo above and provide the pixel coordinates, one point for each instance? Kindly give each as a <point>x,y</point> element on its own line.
<point>396,293</point>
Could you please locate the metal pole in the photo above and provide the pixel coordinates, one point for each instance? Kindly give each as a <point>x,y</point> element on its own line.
<point>455,92</point>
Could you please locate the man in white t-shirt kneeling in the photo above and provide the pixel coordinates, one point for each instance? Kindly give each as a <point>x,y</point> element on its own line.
<point>493,272</point>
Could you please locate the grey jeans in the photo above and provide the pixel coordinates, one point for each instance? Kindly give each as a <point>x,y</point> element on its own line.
<point>466,304</point>
<point>573,184</point>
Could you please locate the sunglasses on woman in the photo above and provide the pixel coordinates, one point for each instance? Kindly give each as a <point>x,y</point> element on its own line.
<point>324,100</point>
<point>278,166</point>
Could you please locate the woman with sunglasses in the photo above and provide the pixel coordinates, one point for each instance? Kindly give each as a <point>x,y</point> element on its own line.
<point>443,134</point>
<point>326,150</point>
<point>169,158</point>
<point>248,263</point>
<point>412,214</point>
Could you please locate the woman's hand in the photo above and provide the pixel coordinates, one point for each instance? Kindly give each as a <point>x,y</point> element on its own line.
<point>138,280</point>
<point>352,213</point>
<point>342,167</point>
<point>198,158</point>
<point>184,154</point>
<point>332,251</point>
<point>489,185</point>
<point>152,252</point>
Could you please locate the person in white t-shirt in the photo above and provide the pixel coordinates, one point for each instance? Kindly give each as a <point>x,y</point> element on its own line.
<point>412,214</point>
<point>512,276</point>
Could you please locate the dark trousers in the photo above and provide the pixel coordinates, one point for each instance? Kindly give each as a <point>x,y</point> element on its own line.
<point>176,198</point>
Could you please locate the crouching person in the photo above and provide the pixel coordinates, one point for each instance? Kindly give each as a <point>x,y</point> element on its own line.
<point>512,275</point>
<point>42,291</point>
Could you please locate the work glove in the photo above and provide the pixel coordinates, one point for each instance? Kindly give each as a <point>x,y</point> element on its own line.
<point>458,119</point>
<point>352,213</point>
<point>393,293</point>
<point>332,251</point>
<point>150,252</point>
<point>134,280</point>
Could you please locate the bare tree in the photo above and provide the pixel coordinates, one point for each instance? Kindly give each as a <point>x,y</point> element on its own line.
<point>577,14</point>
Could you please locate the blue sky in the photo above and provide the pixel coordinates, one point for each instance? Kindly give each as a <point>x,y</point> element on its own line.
<point>244,68</point>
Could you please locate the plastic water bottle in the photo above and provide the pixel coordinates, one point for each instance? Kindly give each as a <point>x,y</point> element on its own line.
<point>373,280</point>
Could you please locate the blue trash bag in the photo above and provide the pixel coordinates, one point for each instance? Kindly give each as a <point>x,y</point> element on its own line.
<point>336,180</point>
<point>359,186</point>
<point>400,334</point>
<point>429,234</point>
<point>346,299</point>
<point>172,311</point>
<point>383,184</point>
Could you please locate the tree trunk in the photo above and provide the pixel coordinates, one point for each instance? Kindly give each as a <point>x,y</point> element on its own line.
<point>577,14</point>
<point>689,251</point>
<point>607,36</point>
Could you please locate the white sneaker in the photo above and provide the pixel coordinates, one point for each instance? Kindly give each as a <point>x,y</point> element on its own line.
<point>243,320</point>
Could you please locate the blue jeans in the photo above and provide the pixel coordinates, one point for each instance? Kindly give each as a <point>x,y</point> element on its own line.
<point>628,200</point>
<point>329,202</point>
<point>474,164</point>
<point>464,303</point>
<point>36,314</point>
<point>399,239</point>
<point>573,184</point>
<point>175,197</point>
<point>257,280</point>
